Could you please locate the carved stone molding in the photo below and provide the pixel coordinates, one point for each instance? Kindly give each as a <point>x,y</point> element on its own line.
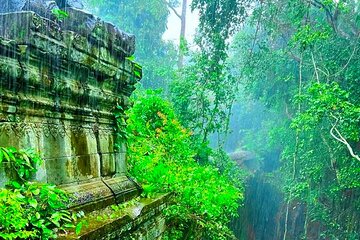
<point>59,85</point>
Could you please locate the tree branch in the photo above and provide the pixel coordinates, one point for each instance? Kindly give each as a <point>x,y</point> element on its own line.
<point>329,15</point>
<point>173,9</point>
<point>315,68</point>
<point>341,139</point>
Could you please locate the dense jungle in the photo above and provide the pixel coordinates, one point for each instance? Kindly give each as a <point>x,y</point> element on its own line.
<point>246,118</point>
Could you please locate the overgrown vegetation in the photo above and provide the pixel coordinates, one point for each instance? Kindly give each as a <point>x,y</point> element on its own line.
<point>30,210</point>
<point>161,157</point>
<point>300,60</point>
<point>297,60</point>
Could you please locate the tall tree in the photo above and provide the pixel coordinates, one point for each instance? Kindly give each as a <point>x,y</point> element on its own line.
<point>205,91</point>
<point>182,17</point>
<point>300,58</point>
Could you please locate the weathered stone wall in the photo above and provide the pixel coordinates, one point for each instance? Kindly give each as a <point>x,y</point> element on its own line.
<point>59,86</point>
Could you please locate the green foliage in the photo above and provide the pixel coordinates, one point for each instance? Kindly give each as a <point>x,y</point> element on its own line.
<point>329,102</point>
<point>33,211</point>
<point>30,210</point>
<point>212,83</point>
<point>300,59</point>
<point>112,212</point>
<point>12,219</point>
<point>218,21</point>
<point>307,37</point>
<point>59,14</point>
<point>203,97</point>
<point>183,48</point>
<point>161,157</point>
<point>131,58</point>
<point>137,70</point>
<point>22,162</point>
<point>228,168</point>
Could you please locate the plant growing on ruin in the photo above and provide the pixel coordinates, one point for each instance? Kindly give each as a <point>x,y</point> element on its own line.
<point>161,157</point>
<point>22,162</point>
<point>31,210</point>
<point>59,14</point>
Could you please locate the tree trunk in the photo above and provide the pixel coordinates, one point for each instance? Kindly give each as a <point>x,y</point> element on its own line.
<point>182,34</point>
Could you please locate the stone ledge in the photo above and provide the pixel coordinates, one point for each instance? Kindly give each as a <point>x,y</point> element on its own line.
<point>99,193</point>
<point>143,220</point>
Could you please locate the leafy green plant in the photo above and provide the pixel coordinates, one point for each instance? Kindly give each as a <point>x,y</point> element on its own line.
<point>59,14</point>
<point>161,157</point>
<point>38,210</point>
<point>137,70</point>
<point>31,210</point>
<point>229,168</point>
<point>131,58</point>
<point>329,102</point>
<point>22,162</point>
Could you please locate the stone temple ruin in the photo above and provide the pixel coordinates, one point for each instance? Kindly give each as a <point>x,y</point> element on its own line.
<point>60,82</point>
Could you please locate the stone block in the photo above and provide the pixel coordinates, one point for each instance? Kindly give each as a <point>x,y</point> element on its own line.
<point>59,85</point>
<point>147,224</point>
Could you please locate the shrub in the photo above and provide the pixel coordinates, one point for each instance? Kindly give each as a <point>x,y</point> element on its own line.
<point>30,210</point>
<point>161,157</point>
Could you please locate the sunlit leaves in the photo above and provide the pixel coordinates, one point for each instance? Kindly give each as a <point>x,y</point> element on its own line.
<point>161,158</point>
<point>59,14</point>
<point>306,36</point>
